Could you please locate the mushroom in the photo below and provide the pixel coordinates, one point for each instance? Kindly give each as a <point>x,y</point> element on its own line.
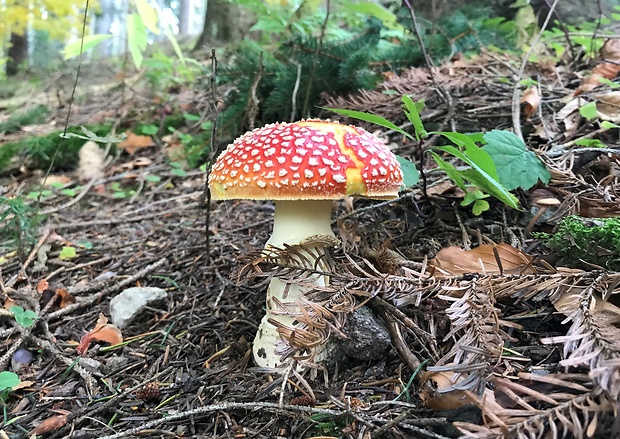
<point>303,166</point>
<point>542,199</point>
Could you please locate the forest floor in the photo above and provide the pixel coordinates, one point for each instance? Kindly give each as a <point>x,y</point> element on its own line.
<point>185,369</point>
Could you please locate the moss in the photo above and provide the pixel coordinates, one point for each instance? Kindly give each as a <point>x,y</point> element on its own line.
<point>20,119</point>
<point>589,240</point>
<point>38,152</point>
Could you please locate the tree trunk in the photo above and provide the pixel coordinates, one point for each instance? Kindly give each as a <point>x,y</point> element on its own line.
<point>185,7</point>
<point>17,53</point>
<point>224,23</point>
<point>103,24</point>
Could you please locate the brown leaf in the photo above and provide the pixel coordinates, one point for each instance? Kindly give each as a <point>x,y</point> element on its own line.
<point>446,186</point>
<point>51,424</point>
<point>435,393</point>
<point>606,70</point>
<point>608,106</point>
<point>65,297</point>
<point>611,49</point>
<point>9,303</point>
<point>23,385</point>
<point>588,83</point>
<point>103,331</point>
<point>42,285</point>
<point>55,179</point>
<point>530,101</point>
<point>135,142</point>
<point>453,261</point>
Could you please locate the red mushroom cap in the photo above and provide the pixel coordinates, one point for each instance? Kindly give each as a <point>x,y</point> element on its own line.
<point>310,160</point>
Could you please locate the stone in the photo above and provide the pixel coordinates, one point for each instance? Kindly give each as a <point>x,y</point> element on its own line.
<point>368,338</point>
<point>129,304</point>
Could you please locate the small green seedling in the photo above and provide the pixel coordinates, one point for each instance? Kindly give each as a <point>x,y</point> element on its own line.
<point>8,380</point>
<point>23,317</point>
<point>476,197</point>
<point>67,252</point>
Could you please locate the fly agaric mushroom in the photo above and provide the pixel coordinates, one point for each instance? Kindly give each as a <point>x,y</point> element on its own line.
<point>303,166</point>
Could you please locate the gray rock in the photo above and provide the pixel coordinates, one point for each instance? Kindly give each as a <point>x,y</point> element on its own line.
<point>90,364</point>
<point>115,363</point>
<point>368,338</point>
<point>128,305</point>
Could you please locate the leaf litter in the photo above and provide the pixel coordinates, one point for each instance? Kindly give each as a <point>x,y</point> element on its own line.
<point>515,346</point>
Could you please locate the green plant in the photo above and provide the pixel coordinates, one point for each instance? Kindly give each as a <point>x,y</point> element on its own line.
<point>18,224</point>
<point>37,151</point>
<point>23,317</point>
<point>281,20</point>
<point>8,380</point>
<point>145,20</point>
<point>20,119</point>
<point>287,75</point>
<point>501,165</point>
<point>118,191</point>
<point>586,240</point>
<point>196,145</point>
<point>177,169</point>
<point>476,198</point>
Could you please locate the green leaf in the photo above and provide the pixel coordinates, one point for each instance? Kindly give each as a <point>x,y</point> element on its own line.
<point>149,130</point>
<point>175,44</point>
<point>372,118</point>
<point>590,143</point>
<point>453,173</point>
<point>191,117</point>
<point>528,82</point>
<point>480,178</point>
<point>479,207</point>
<point>90,41</point>
<point>374,10</point>
<point>609,83</point>
<point>516,165</point>
<point>69,192</point>
<point>473,152</point>
<point>410,173</point>
<point>23,317</point>
<point>8,380</point>
<point>269,24</point>
<point>148,15</point>
<point>136,38</point>
<point>67,252</point>
<point>89,135</point>
<point>608,125</point>
<point>491,187</point>
<point>589,111</point>
<point>413,114</point>
<point>152,178</point>
<point>178,172</point>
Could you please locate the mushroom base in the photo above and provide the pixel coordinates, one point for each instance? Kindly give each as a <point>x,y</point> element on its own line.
<point>295,222</point>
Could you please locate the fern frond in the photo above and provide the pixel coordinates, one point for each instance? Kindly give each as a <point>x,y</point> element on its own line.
<point>593,339</point>
<point>476,335</point>
<point>580,417</point>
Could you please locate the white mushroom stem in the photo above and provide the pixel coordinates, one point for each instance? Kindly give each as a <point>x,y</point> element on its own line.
<point>294,222</point>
